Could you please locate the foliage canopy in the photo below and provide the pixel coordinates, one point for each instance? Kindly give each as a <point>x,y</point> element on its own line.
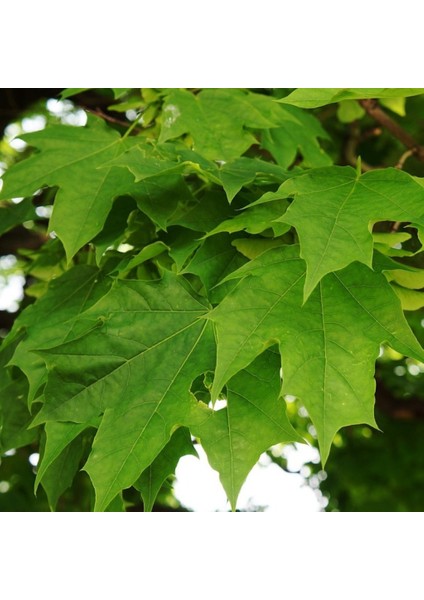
<point>199,245</point>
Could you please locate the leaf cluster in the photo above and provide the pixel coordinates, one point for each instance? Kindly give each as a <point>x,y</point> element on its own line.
<point>196,246</point>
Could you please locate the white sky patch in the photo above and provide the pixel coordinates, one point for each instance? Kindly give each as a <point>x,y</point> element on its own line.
<point>11,292</point>
<point>66,112</point>
<point>35,123</point>
<point>34,458</point>
<point>197,486</point>
<point>218,405</point>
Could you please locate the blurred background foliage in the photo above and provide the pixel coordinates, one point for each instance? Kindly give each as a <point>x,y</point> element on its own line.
<point>368,470</point>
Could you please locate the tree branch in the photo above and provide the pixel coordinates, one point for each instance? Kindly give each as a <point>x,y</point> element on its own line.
<point>375,111</point>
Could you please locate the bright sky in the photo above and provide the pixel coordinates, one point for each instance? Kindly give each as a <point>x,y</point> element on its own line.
<point>267,486</point>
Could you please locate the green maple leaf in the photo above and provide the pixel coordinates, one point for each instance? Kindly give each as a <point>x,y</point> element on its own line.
<point>217,120</point>
<point>254,419</point>
<point>315,97</point>
<point>334,209</point>
<point>136,371</point>
<point>328,345</point>
<point>69,157</point>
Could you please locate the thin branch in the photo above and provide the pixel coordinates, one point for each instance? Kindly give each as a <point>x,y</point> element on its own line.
<point>375,111</point>
<point>99,113</point>
<point>402,159</point>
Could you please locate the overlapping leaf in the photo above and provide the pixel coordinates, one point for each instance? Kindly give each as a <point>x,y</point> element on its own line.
<point>69,157</point>
<point>218,122</point>
<point>328,345</point>
<point>254,419</point>
<point>136,371</point>
<point>334,209</point>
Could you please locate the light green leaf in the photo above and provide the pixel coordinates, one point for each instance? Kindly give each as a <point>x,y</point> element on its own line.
<point>349,110</point>
<point>410,299</point>
<point>396,105</point>
<point>69,157</point>
<point>164,465</point>
<point>254,419</point>
<point>390,244</point>
<point>316,97</point>
<point>409,277</point>
<point>328,345</point>
<point>136,370</point>
<point>334,209</point>
<point>391,239</point>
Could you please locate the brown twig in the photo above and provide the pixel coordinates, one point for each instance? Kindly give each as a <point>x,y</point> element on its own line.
<point>99,113</point>
<point>375,111</point>
<point>402,159</point>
